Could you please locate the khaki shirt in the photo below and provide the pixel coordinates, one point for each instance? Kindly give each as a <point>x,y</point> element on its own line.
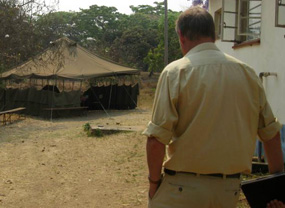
<point>209,108</point>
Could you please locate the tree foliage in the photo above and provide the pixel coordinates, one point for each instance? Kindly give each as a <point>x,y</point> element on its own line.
<point>14,30</point>
<point>155,57</point>
<point>158,9</point>
<point>18,37</point>
<point>139,35</point>
<point>57,24</point>
<point>101,26</point>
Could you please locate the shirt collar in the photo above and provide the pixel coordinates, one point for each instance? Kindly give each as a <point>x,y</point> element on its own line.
<point>202,47</point>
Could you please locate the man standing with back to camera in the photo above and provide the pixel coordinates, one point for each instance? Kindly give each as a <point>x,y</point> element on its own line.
<point>208,109</point>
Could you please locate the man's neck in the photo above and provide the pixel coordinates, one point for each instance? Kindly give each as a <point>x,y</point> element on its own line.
<point>188,45</point>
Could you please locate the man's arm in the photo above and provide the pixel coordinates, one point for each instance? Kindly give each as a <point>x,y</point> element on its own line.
<point>273,153</point>
<point>155,156</point>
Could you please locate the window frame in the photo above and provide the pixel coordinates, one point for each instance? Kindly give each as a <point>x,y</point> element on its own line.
<point>248,18</point>
<point>237,37</point>
<point>277,7</point>
<point>225,26</point>
<point>218,23</point>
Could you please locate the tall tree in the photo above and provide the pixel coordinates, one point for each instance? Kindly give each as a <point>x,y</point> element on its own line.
<point>158,9</point>
<point>154,59</point>
<point>139,35</point>
<point>55,25</point>
<point>99,24</point>
<point>131,48</point>
<point>16,34</point>
<point>18,40</point>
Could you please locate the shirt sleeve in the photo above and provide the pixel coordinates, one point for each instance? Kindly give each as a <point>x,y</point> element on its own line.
<point>268,125</point>
<point>164,113</point>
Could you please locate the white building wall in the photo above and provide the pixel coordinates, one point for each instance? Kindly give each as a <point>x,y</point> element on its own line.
<point>269,56</point>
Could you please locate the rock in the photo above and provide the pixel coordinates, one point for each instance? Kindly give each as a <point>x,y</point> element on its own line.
<point>9,181</point>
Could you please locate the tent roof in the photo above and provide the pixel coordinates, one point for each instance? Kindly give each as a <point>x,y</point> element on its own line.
<point>66,59</point>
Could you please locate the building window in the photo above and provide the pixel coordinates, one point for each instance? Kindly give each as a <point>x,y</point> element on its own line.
<point>280,13</point>
<point>218,26</point>
<point>249,18</point>
<point>241,20</point>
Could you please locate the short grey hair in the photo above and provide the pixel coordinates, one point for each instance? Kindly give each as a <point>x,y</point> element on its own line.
<point>195,23</point>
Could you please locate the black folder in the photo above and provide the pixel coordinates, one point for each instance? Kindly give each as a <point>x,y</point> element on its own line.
<point>262,190</point>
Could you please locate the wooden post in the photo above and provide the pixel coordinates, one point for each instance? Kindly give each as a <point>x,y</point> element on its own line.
<point>63,85</point>
<point>110,97</point>
<point>165,33</point>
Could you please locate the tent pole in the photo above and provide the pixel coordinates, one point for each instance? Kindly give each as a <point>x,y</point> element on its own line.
<point>80,89</point>
<point>63,85</point>
<point>110,97</point>
<point>51,111</point>
<point>5,92</point>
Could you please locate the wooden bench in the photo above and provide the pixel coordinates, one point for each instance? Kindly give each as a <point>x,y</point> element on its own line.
<point>7,115</point>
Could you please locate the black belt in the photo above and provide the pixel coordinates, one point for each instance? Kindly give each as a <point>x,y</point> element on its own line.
<point>219,175</point>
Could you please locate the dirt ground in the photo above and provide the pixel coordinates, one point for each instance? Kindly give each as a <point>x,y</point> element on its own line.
<point>47,163</point>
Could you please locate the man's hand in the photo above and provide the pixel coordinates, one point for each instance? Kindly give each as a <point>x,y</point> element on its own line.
<point>275,204</point>
<point>152,189</point>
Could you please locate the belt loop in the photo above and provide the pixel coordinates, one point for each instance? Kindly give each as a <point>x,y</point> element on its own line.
<point>198,174</point>
<point>224,176</point>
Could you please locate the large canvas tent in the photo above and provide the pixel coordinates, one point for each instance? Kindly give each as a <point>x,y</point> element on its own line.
<point>58,77</point>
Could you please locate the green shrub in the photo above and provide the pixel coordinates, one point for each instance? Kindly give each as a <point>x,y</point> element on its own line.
<point>87,127</point>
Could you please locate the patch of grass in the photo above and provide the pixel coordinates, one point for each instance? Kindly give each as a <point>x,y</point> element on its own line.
<point>96,133</point>
<point>87,127</point>
<point>90,132</point>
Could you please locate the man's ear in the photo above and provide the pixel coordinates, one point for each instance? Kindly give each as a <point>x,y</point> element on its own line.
<point>182,41</point>
<point>181,37</point>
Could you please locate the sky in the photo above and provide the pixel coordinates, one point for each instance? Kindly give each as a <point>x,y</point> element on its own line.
<point>121,5</point>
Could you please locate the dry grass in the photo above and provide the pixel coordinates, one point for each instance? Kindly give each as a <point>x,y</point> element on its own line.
<point>55,164</point>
